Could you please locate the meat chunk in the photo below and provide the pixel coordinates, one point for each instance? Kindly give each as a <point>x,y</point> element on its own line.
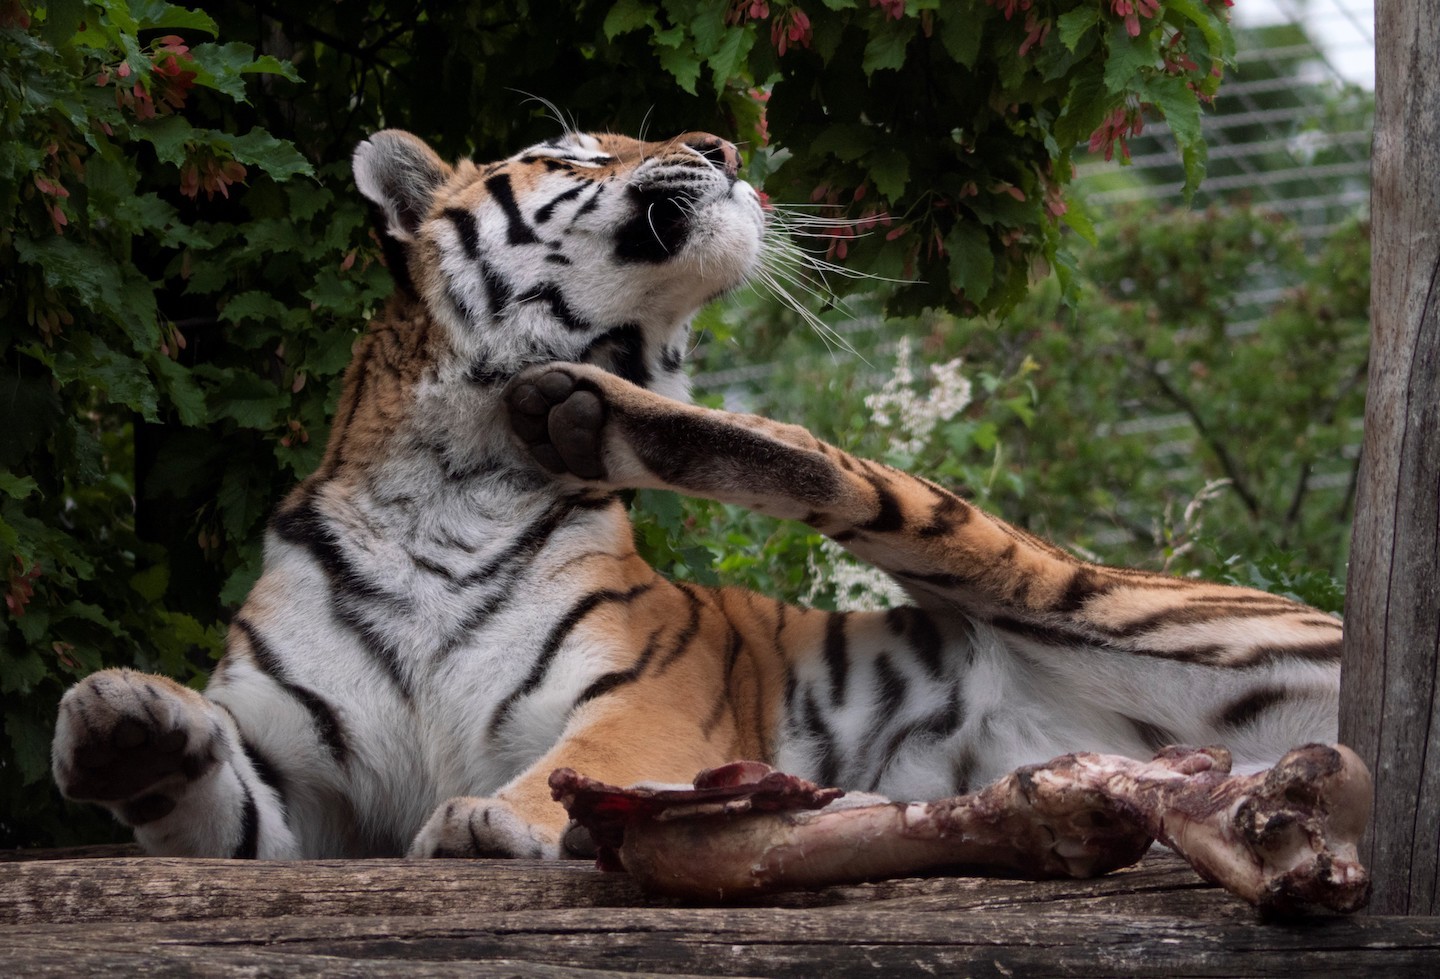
<point>1283,840</point>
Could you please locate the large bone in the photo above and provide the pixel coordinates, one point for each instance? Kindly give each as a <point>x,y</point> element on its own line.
<point>1283,839</point>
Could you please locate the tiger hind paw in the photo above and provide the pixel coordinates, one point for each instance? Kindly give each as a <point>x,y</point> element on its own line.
<point>133,742</point>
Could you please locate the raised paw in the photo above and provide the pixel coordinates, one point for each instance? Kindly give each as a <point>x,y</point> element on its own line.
<point>133,741</point>
<point>470,827</point>
<point>560,419</point>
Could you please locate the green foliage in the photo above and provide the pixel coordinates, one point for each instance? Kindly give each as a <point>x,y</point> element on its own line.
<point>148,431</point>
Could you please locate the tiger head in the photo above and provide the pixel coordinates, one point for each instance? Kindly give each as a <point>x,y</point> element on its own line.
<point>587,248</point>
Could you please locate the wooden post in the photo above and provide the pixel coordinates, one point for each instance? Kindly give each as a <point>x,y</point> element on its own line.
<point>1390,692</point>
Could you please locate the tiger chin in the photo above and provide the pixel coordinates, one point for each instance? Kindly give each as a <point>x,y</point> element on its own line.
<point>452,606</point>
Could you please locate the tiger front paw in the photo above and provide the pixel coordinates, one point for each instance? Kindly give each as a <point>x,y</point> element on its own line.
<point>484,828</point>
<point>133,742</point>
<point>560,416</point>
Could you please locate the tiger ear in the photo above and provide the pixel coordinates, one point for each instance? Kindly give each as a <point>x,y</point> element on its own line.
<point>400,173</point>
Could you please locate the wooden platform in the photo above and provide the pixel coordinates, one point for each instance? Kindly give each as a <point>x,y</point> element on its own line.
<point>132,915</point>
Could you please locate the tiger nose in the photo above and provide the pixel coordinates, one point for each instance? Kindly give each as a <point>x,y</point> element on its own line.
<point>722,154</point>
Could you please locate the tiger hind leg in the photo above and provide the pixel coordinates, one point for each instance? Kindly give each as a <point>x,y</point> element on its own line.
<point>168,763</point>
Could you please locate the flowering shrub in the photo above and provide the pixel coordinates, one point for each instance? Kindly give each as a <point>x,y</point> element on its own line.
<point>961,124</point>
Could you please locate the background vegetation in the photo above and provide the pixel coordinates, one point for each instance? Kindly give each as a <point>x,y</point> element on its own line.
<point>187,265</point>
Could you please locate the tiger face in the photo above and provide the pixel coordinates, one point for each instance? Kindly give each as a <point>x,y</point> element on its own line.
<point>587,248</point>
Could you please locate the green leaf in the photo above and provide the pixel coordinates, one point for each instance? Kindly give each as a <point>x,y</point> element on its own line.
<point>1214,28</point>
<point>159,15</point>
<point>886,48</point>
<point>169,135</point>
<point>627,16</point>
<point>681,64</point>
<point>268,64</point>
<point>890,170</point>
<point>1073,25</point>
<point>31,744</point>
<point>16,487</point>
<point>961,33</point>
<point>728,59</point>
<point>1127,56</point>
<point>221,67</point>
<point>844,141</point>
<point>152,582</point>
<point>972,262</point>
<point>255,306</point>
<point>90,274</point>
<point>1179,106</point>
<point>253,402</point>
<point>180,389</point>
<point>62,19</point>
<point>277,157</point>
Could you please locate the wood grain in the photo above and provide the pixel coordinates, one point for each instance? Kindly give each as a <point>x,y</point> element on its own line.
<point>1390,711</point>
<point>517,918</point>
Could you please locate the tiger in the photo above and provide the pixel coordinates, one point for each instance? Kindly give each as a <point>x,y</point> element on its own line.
<point>452,605</point>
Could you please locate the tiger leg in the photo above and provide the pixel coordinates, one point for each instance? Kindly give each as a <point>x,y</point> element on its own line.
<point>648,732</point>
<point>170,764</point>
<point>583,423</point>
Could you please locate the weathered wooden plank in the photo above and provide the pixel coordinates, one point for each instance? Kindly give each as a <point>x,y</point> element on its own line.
<point>1390,692</point>
<point>761,941</point>
<point>157,889</point>
<point>161,889</point>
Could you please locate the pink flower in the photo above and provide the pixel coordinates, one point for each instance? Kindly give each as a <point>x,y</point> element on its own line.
<point>894,9</point>
<point>1132,11</point>
<point>1008,7</point>
<point>791,27</point>
<point>1039,29</point>
<point>1122,122</point>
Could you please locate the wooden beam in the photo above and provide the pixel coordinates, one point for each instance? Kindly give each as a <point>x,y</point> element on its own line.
<point>1390,694</point>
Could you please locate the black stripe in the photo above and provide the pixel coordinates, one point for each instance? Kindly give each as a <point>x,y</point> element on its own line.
<point>619,678</point>
<point>1084,585</point>
<point>530,540</point>
<point>558,634</point>
<point>722,698</point>
<point>517,231</point>
<point>1152,736</point>
<point>892,687</point>
<point>304,526</point>
<point>919,630</point>
<point>469,231</point>
<point>1191,614</point>
<point>545,212</point>
<point>888,518</point>
<point>837,659</point>
<point>249,828</point>
<point>512,563</point>
<point>962,770</point>
<point>325,718</point>
<point>550,293</point>
<point>499,289</point>
<point>265,769</point>
<point>1246,710</point>
<point>948,514</point>
<point>827,770</point>
<point>686,635</point>
<point>589,205</point>
<point>627,358</point>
